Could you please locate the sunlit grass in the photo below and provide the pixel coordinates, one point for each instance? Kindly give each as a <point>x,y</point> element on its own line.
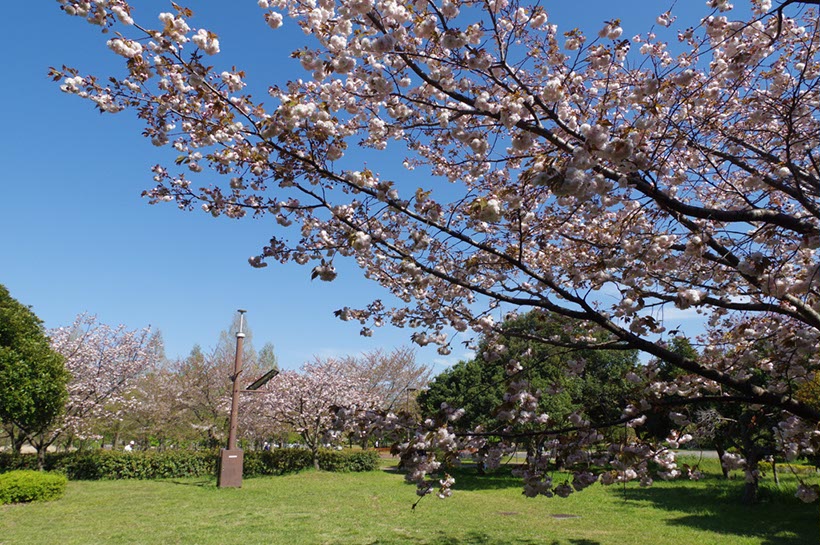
<point>330,508</point>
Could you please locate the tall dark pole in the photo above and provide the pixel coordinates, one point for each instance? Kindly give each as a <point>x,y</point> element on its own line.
<point>229,473</point>
<point>237,368</point>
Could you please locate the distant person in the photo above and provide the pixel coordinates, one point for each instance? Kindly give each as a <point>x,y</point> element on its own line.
<point>129,447</point>
<point>265,446</point>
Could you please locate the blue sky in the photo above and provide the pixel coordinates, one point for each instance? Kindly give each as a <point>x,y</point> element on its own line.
<point>75,235</point>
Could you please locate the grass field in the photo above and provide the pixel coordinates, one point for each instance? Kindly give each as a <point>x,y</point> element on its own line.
<point>375,508</point>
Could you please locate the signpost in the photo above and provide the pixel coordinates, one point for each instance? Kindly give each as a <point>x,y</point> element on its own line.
<point>229,474</point>
<point>229,470</point>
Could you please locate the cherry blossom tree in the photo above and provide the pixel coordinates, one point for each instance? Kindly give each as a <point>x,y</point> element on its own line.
<point>156,412</point>
<point>307,401</point>
<point>607,178</point>
<point>202,387</point>
<point>394,377</point>
<point>104,363</point>
<point>188,400</point>
<point>203,381</point>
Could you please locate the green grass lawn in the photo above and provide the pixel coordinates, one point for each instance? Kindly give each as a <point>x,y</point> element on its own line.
<point>374,508</point>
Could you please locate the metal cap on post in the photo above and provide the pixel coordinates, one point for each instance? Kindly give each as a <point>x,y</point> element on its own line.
<point>229,473</point>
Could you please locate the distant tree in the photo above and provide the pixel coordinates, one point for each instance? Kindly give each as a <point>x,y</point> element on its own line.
<point>306,401</point>
<point>394,377</point>
<point>743,435</point>
<point>266,358</point>
<point>158,413</point>
<point>104,363</point>
<point>809,392</point>
<point>253,427</point>
<point>596,388</point>
<point>471,385</point>
<point>32,375</point>
<point>225,348</point>
<point>201,386</point>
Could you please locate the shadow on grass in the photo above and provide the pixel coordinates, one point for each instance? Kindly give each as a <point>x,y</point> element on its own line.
<point>476,538</point>
<point>780,519</point>
<point>203,483</point>
<point>468,478</point>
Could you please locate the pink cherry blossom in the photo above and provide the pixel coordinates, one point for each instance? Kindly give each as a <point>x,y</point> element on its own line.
<point>609,184</point>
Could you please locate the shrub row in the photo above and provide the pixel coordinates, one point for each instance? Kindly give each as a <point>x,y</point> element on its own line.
<point>106,464</point>
<point>27,485</point>
<point>102,464</point>
<point>276,461</point>
<point>344,461</point>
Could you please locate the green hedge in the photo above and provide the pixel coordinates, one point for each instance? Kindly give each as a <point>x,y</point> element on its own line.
<point>348,460</point>
<point>26,485</point>
<point>276,461</point>
<point>280,461</point>
<point>106,464</point>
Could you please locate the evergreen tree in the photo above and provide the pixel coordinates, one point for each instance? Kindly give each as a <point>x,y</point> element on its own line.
<point>592,382</point>
<point>32,376</point>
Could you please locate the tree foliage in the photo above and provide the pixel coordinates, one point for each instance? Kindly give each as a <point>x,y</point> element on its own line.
<point>187,401</point>
<point>306,401</point>
<point>589,382</point>
<point>32,375</point>
<point>810,391</point>
<point>104,363</point>
<point>394,377</point>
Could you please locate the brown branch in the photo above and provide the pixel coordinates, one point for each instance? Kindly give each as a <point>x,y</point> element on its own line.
<point>779,12</point>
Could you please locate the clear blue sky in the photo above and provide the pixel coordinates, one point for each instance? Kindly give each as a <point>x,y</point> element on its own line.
<point>75,235</point>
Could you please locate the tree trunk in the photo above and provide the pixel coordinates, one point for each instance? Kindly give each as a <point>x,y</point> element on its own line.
<point>752,455</point>
<point>720,452</point>
<point>316,459</point>
<point>41,457</point>
<point>750,490</point>
<point>17,444</point>
<point>40,446</point>
<point>18,438</point>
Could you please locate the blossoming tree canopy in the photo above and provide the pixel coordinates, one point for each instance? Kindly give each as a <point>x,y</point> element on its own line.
<point>104,363</point>
<point>603,177</point>
<point>304,401</point>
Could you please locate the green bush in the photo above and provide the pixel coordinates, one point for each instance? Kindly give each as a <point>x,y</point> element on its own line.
<point>103,464</point>
<point>280,461</point>
<point>106,464</point>
<point>276,461</point>
<point>26,485</point>
<point>10,462</point>
<point>348,460</point>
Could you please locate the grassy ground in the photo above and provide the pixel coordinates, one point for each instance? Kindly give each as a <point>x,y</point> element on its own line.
<point>374,508</point>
